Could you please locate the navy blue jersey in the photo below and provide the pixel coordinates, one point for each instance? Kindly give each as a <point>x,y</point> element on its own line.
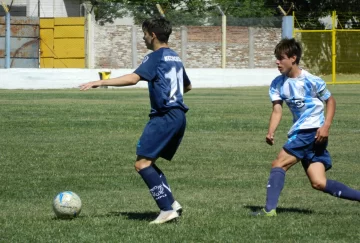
<point>166,76</point>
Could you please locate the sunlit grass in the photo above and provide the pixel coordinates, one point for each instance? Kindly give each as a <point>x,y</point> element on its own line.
<point>59,140</point>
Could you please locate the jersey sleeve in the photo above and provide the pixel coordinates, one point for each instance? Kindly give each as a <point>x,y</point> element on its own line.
<point>148,68</point>
<point>186,79</point>
<point>274,90</point>
<point>322,92</point>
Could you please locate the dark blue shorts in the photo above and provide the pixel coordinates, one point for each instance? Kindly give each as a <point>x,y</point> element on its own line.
<point>302,145</point>
<point>162,135</point>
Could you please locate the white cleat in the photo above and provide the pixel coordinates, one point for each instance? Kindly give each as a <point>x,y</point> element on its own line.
<point>165,216</point>
<point>177,207</point>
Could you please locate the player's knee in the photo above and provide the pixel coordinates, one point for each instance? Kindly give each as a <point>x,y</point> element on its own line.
<point>136,167</point>
<point>274,163</point>
<point>278,163</point>
<point>139,165</point>
<point>318,185</point>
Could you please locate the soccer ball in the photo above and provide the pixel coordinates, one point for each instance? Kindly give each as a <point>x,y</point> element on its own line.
<point>67,205</point>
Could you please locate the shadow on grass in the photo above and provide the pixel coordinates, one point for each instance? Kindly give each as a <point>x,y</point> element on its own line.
<point>281,210</point>
<point>135,216</point>
<point>64,219</point>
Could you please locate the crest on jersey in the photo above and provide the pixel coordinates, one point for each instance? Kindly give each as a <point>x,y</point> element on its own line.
<point>299,103</point>
<point>145,59</point>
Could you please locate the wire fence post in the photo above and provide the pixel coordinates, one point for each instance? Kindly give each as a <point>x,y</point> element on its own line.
<point>7,40</point>
<point>134,53</point>
<point>184,38</point>
<point>287,27</point>
<point>89,40</point>
<point>223,38</point>
<point>333,46</point>
<point>251,47</point>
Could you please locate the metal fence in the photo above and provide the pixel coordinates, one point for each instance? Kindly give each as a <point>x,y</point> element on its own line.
<point>331,45</point>
<point>24,39</point>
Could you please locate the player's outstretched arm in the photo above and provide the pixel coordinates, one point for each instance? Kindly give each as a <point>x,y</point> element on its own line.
<point>126,80</point>
<point>322,133</point>
<point>274,122</point>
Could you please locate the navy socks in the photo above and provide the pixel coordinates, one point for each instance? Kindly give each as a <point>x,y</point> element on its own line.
<point>340,190</point>
<point>274,188</point>
<point>276,184</point>
<point>155,185</point>
<point>165,184</point>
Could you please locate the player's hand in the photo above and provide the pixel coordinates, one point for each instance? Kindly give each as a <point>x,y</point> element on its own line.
<point>89,85</point>
<point>322,135</point>
<point>270,139</point>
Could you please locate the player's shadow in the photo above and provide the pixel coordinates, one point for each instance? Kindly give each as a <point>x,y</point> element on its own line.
<point>281,210</point>
<point>135,216</point>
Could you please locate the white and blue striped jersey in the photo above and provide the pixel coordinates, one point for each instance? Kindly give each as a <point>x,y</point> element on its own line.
<point>166,76</point>
<point>304,96</point>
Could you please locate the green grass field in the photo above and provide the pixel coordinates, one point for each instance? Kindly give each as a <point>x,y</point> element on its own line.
<point>59,140</point>
<point>342,78</point>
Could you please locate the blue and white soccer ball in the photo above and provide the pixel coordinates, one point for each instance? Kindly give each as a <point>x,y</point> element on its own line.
<point>67,205</point>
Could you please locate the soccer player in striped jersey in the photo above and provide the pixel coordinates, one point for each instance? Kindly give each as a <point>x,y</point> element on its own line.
<point>305,95</point>
<point>162,135</point>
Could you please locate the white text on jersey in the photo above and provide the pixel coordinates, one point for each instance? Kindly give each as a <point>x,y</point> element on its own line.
<point>172,59</point>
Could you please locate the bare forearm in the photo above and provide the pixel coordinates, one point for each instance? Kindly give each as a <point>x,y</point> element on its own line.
<point>274,122</point>
<point>330,111</point>
<point>275,117</point>
<point>126,80</point>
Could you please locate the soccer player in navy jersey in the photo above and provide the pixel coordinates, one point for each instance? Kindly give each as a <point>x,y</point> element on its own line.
<point>167,81</point>
<point>305,95</point>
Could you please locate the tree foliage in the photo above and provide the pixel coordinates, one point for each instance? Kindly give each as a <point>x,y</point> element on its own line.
<point>204,11</point>
<point>108,11</point>
<point>180,12</point>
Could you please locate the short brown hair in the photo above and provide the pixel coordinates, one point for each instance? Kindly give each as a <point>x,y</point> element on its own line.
<point>289,47</point>
<point>160,27</point>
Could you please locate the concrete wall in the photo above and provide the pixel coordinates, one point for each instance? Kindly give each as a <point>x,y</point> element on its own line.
<point>71,78</point>
<point>116,46</point>
<point>112,47</point>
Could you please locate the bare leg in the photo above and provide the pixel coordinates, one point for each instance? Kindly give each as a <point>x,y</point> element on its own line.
<point>317,176</point>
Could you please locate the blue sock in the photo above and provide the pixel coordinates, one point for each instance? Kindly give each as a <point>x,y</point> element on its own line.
<point>338,189</point>
<point>274,187</point>
<point>157,190</point>
<point>165,184</point>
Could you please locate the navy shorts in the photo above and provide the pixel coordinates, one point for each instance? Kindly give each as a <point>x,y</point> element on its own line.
<point>302,146</point>
<point>162,135</point>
